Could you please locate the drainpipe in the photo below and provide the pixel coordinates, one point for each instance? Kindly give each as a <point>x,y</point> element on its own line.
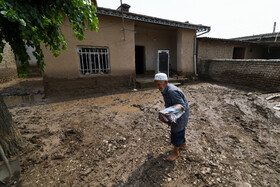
<point>195,51</point>
<point>123,28</point>
<point>276,37</point>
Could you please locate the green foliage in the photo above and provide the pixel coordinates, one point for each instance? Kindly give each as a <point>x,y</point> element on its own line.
<point>36,22</point>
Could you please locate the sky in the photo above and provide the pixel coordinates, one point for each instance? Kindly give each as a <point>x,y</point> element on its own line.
<point>227,18</point>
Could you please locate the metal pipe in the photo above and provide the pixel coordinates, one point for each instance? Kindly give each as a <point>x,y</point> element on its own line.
<point>276,37</point>
<point>122,21</point>
<point>208,30</point>
<point>194,57</point>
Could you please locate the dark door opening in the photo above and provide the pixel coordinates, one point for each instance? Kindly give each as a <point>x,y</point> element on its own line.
<point>163,61</point>
<point>238,53</point>
<point>140,59</point>
<point>272,53</point>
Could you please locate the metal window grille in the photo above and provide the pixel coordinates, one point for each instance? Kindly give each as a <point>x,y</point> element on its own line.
<point>94,60</point>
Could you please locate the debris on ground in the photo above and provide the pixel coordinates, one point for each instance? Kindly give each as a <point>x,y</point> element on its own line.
<point>273,97</point>
<point>117,140</point>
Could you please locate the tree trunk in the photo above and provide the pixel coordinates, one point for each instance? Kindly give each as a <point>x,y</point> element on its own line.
<point>10,137</point>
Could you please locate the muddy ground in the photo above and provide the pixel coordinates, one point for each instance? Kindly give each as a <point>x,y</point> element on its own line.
<point>116,140</point>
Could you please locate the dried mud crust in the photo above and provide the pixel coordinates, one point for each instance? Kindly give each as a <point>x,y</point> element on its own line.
<point>117,140</point>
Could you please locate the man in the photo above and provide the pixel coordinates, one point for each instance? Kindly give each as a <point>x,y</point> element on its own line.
<point>173,95</point>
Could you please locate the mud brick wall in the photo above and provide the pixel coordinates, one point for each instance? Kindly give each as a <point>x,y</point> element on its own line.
<point>260,74</point>
<point>8,68</point>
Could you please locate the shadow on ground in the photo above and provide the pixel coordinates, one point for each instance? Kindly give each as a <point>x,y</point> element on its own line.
<point>151,173</point>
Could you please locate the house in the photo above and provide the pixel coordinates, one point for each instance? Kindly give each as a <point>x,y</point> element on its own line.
<point>126,45</point>
<point>252,61</point>
<point>265,46</point>
<point>270,43</point>
<point>8,68</point>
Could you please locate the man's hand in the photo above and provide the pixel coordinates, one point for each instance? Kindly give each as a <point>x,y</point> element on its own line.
<point>162,120</point>
<point>170,123</point>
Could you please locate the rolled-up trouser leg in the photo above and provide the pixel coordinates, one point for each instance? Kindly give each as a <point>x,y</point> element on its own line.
<point>177,138</point>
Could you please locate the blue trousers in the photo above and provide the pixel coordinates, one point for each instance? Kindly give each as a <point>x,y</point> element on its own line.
<point>177,138</point>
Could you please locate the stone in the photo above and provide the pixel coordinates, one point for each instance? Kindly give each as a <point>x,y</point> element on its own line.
<point>87,171</point>
<point>223,157</point>
<point>169,179</point>
<point>205,170</point>
<point>249,93</point>
<point>242,184</point>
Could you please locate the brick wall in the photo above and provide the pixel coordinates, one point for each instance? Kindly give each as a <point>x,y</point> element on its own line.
<point>261,74</point>
<point>8,68</point>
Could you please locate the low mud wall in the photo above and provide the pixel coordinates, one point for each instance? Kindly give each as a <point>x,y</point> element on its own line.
<point>86,85</point>
<point>8,68</point>
<point>256,73</point>
<point>7,74</point>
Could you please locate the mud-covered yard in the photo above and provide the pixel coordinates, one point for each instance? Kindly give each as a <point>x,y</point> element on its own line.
<point>116,140</point>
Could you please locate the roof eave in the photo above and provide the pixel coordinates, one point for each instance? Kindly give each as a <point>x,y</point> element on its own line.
<point>245,42</point>
<point>259,36</point>
<point>153,20</point>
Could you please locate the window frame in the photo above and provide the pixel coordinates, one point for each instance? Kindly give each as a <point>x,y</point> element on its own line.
<point>105,71</point>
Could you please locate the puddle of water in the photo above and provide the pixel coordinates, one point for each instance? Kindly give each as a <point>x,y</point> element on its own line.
<point>27,99</point>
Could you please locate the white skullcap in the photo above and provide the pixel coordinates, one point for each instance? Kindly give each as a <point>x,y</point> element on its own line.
<point>161,77</point>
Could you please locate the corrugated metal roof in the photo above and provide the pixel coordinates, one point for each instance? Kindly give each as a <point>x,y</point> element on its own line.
<point>248,42</point>
<point>223,40</point>
<point>258,36</point>
<point>149,19</point>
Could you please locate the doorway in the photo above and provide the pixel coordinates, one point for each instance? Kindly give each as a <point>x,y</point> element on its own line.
<point>140,59</point>
<point>238,53</point>
<point>163,62</point>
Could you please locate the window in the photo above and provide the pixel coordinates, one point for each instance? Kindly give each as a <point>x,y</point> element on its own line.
<point>94,60</point>
<point>238,53</point>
